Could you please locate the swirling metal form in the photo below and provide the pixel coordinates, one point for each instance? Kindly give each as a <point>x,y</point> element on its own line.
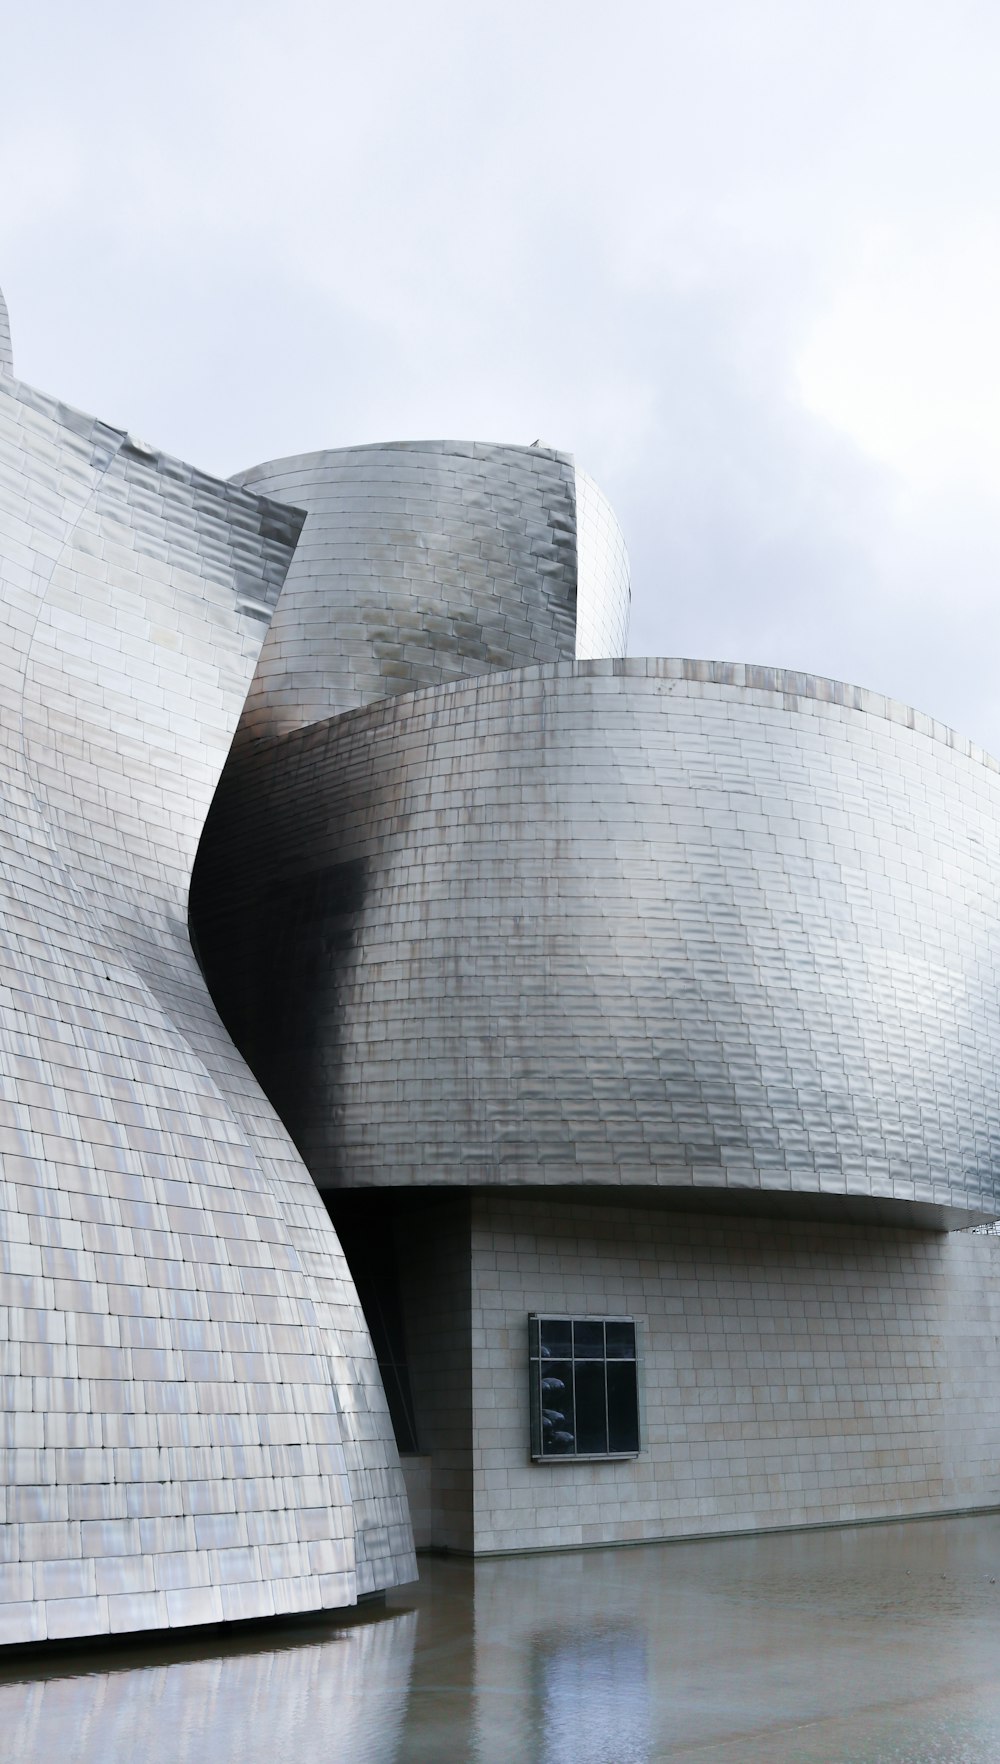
<point>193,1426</point>
<point>727,931</point>
<point>420,562</point>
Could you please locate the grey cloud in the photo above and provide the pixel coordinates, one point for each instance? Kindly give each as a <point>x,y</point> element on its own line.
<point>244,234</point>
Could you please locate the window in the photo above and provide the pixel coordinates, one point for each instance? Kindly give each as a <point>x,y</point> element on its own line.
<point>584,1387</point>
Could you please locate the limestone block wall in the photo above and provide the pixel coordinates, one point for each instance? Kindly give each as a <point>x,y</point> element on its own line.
<point>432,1246</point>
<point>791,1373</point>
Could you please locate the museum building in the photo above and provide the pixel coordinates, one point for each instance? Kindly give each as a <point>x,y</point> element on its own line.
<point>460,1085</point>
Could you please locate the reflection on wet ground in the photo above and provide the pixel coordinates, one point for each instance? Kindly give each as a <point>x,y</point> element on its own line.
<point>874,1645</point>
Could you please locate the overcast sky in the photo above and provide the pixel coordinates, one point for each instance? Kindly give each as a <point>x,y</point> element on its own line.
<point>742,257</point>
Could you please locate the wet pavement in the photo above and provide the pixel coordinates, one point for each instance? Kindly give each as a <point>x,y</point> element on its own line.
<point>872,1645</point>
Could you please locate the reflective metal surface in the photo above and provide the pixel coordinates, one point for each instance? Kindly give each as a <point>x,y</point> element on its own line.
<point>474,912</point>
<point>192,1425</point>
<point>860,1646</point>
<point>661,923</point>
<point>604,594</point>
<point>420,562</point>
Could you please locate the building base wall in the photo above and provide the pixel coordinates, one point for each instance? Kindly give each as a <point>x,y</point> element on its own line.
<point>791,1374</point>
<point>418,1476</point>
<point>433,1255</point>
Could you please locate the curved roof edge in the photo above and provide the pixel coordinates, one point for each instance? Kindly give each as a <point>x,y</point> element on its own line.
<point>464,449</point>
<point>778,685</point>
<point>788,683</point>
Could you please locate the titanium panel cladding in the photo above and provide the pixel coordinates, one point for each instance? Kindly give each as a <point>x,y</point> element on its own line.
<point>420,562</point>
<point>604,593</point>
<point>663,923</point>
<point>192,1425</point>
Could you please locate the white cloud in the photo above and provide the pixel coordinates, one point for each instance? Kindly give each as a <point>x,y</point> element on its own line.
<point>906,359</point>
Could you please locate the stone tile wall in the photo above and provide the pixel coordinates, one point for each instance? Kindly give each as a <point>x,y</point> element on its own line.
<point>791,1373</point>
<point>418,1468</point>
<point>435,1273</point>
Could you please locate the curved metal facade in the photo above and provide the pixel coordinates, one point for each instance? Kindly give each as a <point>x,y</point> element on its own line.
<point>193,1425</point>
<point>420,562</point>
<point>622,923</point>
<point>476,914</point>
<point>604,593</point>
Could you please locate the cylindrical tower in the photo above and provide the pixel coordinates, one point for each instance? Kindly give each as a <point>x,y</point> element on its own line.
<point>428,561</point>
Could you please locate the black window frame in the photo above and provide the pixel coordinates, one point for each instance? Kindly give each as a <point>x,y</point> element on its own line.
<point>579,1332</point>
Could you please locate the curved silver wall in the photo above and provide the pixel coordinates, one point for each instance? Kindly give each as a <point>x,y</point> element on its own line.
<point>475,913</point>
<point>622,923</point>
<point>420,562</point>
<point>604,593</point>
<point>192,1425</point>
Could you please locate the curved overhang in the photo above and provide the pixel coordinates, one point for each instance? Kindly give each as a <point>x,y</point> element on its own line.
<point>724,931</point>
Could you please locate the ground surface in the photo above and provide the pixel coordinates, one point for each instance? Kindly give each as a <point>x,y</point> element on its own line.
<point>875,1645</point>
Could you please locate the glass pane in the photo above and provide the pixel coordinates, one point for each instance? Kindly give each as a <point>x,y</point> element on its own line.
<point>591,1420</point>
<point>558,1434</point>
<point>588,1341</point>
<point>535,1405</point>
<point>621,1341</point>
<point>623,1407</point>
<point>557,1338</point>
